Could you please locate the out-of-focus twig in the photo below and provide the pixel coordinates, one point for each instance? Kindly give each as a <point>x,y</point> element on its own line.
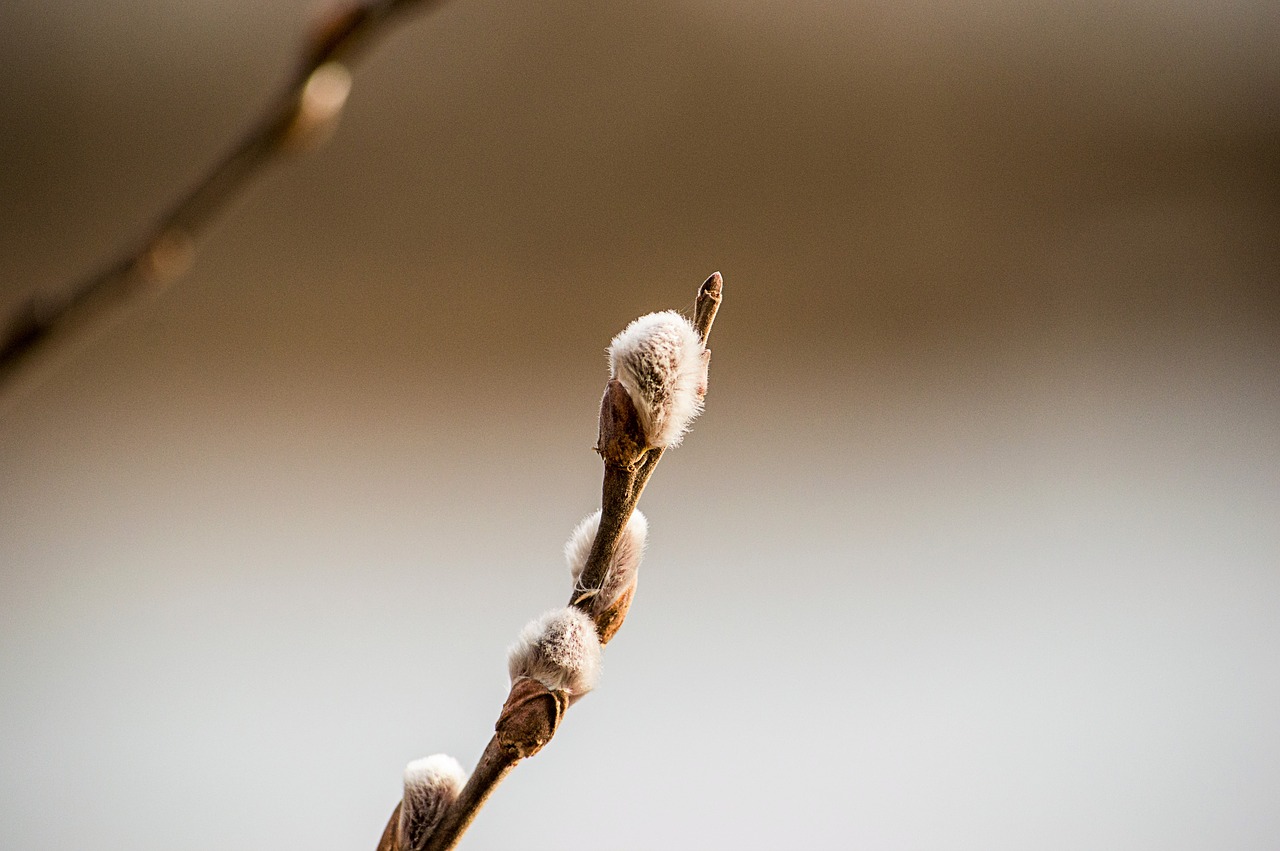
<point>302,115</point>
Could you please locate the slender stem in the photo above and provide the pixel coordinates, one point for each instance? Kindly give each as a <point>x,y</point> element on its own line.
<point>69,314</point>
<point>495,764</point>
<point>616,505</point>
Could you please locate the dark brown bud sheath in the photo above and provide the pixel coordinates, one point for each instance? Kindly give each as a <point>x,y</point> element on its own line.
<point>610,620</point>
<point>622,439</point>
<point>529,717</point>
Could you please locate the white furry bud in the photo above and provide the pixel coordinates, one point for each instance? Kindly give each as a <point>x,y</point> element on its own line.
<point>431,784</point>
<point>561,650</point>
<point>622,569</point>
<point>662,363</point>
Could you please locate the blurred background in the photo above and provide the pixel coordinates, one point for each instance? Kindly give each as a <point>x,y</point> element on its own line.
<point>977,545</point>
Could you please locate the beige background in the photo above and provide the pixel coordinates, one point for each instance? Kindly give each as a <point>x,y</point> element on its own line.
<point>977,546</point>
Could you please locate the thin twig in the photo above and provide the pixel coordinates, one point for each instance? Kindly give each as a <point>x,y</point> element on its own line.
<point>299,116</point>
<point>495,764</point>
<point>532,713</point>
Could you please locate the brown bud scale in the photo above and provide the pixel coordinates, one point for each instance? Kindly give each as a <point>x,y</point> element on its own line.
<point>529,717</point>
<point>622,440</point>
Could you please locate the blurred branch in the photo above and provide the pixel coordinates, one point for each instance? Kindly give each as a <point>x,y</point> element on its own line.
<point>302,116</point>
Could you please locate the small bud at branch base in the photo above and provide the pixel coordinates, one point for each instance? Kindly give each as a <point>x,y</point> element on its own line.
<point>431,784</point>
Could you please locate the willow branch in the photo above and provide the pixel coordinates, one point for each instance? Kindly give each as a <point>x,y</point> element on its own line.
<point>299,117</point>
<point>533,710</point>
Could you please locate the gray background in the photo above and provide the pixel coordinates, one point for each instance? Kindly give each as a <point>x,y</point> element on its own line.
<point>976,547</point>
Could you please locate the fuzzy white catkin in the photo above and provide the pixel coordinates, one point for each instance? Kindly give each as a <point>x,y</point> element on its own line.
<point>561,650</point>
<point>431,784</point>
<point>662,363</point>
<point>626,558</point>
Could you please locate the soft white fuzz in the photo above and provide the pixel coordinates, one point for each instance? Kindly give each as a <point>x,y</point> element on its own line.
<point>662,364</point>
<point>431,784</point>
<point>623,568</point>
<point>561,650</point>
